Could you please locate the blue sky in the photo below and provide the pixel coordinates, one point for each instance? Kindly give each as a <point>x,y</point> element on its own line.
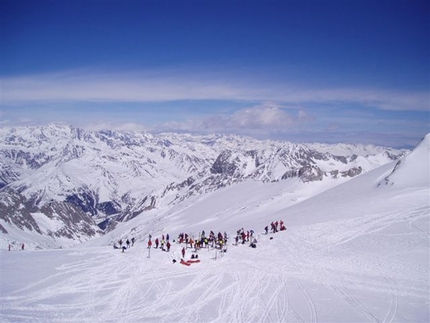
<point>327,71</point>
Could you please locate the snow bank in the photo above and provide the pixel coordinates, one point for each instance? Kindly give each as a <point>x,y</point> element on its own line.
<point>412,170</point>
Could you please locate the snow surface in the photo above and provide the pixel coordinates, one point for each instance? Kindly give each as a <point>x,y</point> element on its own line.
<point>406,173</point>
<point>358,252</point>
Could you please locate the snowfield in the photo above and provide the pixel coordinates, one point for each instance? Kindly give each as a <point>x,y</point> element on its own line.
<point>358,252</point>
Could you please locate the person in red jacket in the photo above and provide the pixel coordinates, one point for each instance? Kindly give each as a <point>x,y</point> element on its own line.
<point>243,237</point>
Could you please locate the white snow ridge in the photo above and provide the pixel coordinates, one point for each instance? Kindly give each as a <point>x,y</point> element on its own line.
<point>414,169</point>
<point>358,252</point>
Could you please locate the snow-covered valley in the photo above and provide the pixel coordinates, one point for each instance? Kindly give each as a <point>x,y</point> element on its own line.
<point>358,252</point>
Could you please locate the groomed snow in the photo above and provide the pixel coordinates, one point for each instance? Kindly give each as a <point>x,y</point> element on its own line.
<point>358,252</point>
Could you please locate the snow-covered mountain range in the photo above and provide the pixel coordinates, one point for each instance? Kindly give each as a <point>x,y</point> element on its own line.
<point>67,183</point>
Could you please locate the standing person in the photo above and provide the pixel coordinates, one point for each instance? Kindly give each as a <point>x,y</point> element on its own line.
<point>156,243</point>
<point>149,244</point>
<point>132,241</point>
<point>183,252</point>
<point>266,229</point>
<point>243,237</point>
<point>167,237</point>
<point>128,243</point>
<point>22,246</point>
<point>168,245</point>
<point>9,246</point>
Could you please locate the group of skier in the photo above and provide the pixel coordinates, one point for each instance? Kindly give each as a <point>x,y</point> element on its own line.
<point>11,246</point>
<point>217,241</point>
<point>163,243</point>
<point>243,236</point>
<point>189,241</point>
<point>127,244</point>
<point>274,227</point>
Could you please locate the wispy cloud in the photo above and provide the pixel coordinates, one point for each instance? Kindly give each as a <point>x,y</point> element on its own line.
<point>184,100</point>
<point>162,86</point>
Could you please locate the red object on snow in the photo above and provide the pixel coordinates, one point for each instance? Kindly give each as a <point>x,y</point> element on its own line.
<point>189,262</point>
<point>184,262</point>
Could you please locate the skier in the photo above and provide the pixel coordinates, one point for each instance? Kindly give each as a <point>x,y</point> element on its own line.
<point>243,237</point>
<point>168,245</point>
<point>22,246</point>
<point>167,237</point>
<point>128,243</point>
<point>156,243</point>
<point>183,252</point>
<point>266,229</point>
<point>282,226</point>
<point>132,241</point>
<point>149,244</point>
<point>253,244</point>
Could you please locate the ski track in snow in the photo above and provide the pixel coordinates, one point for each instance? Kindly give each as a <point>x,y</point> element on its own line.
<point>104,285</point>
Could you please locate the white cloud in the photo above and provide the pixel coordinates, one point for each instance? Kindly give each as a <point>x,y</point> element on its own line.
<point>108,125</point>
<point>164,86</point>
<point>257,119</point>
<point>261,117</point>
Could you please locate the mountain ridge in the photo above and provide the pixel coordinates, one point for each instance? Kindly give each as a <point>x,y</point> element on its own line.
<point>114,176</point>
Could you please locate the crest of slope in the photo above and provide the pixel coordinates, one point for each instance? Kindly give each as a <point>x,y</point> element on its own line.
<point>413,169</point>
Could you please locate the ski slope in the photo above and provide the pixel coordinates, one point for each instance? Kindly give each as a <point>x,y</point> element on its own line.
<point>358,252</point>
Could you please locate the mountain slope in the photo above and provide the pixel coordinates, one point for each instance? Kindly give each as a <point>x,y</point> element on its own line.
<point>405,172</point>
<point>357,252</point>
